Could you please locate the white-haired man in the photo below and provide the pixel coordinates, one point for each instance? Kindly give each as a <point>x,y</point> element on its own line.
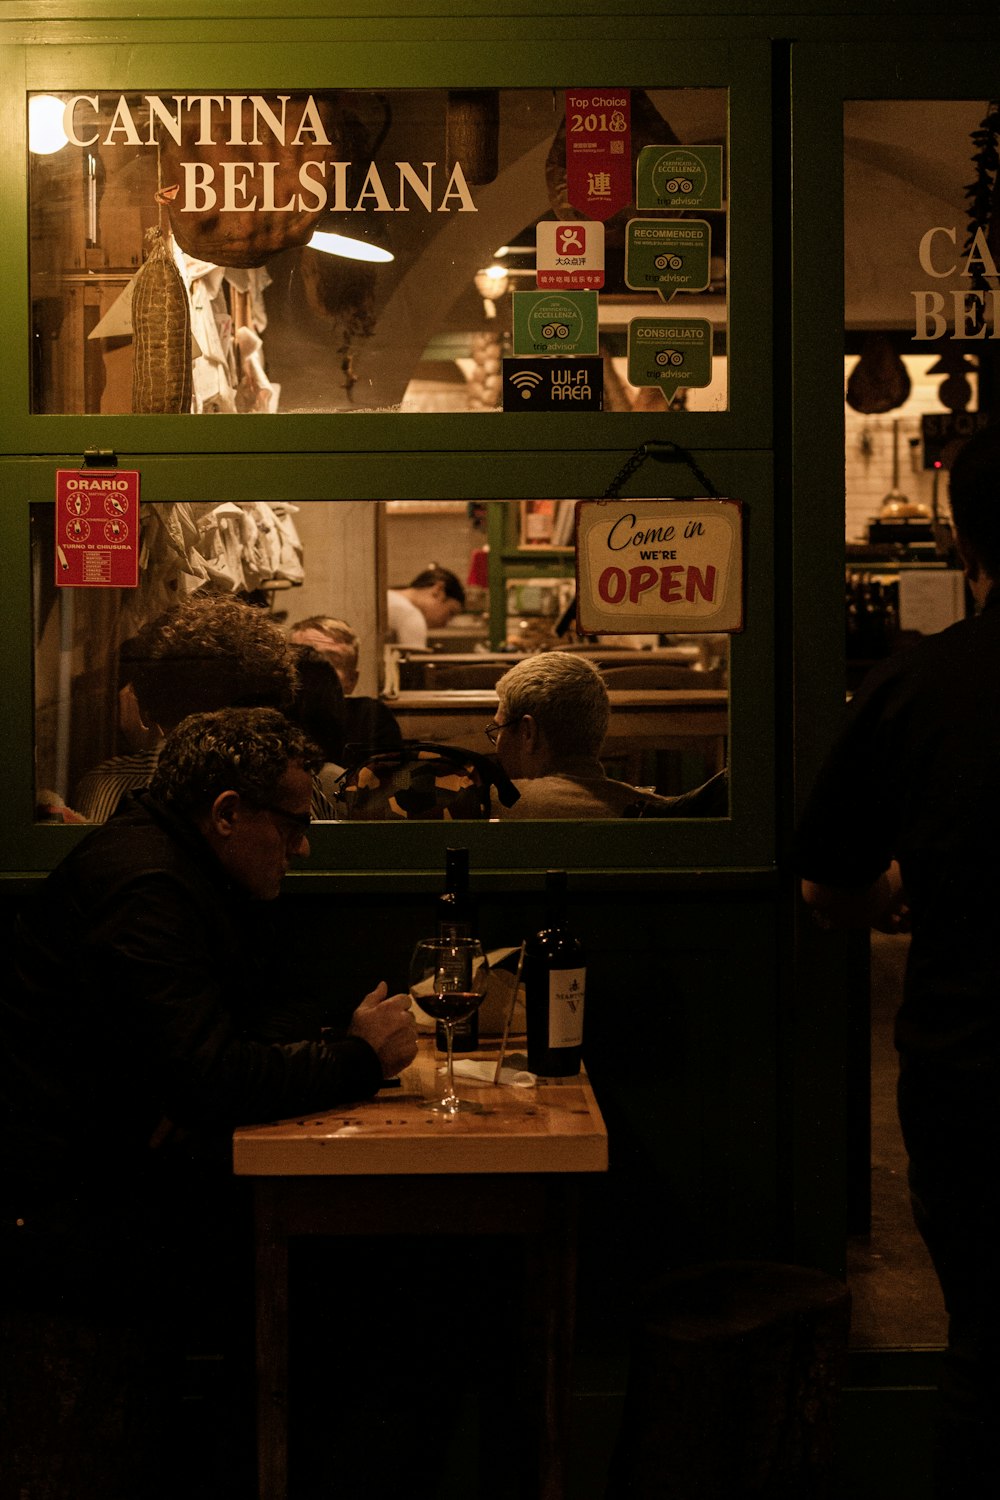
<point>548,731</point>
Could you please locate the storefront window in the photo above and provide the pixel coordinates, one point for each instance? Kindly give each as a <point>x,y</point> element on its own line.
<point>921,331</point>
<point>407,250</point>
<point>98,721</point>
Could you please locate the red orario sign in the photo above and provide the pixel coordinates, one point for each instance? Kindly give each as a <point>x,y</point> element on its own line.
<point>97,528</point>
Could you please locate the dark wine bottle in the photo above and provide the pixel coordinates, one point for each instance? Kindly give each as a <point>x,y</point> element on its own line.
<point>456,919</point>
<point>554,984</point>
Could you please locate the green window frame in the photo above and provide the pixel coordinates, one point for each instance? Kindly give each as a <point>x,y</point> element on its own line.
<point>419,456</point>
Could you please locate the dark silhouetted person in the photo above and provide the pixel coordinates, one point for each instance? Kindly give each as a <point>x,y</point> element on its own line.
<point>153,1006</point>
<point>369,725</point>
<point>902,832</point>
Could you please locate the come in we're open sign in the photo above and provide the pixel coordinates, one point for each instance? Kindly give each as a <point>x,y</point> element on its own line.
<point>652,566</point>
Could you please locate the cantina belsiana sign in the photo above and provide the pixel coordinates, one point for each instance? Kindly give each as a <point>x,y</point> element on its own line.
<point>650,566</point>
<point>291,147</point>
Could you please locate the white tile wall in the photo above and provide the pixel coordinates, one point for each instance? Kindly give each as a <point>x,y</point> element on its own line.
<point>868,464</point>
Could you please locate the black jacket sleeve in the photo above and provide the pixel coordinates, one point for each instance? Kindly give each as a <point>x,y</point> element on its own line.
<point>191,990</point>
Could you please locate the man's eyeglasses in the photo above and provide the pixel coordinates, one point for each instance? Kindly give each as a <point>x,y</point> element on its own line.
<point>493,728</point>
<point>297,824</point>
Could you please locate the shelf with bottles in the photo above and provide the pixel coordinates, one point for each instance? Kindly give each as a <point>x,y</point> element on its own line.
<point>506,525</point>
<point>530,584</point>
<point>886,608</point>
<point>871,613</point>
<point>546,525</point>
<point>893,557</point>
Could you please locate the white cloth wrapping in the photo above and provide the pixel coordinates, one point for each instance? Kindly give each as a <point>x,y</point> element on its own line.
<point>482,1072</point>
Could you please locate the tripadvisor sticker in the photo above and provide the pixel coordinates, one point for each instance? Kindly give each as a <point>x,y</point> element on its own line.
<point>670,352</point>
<point>667,255</point>
<point>679,177</point>
<point>555,323</point>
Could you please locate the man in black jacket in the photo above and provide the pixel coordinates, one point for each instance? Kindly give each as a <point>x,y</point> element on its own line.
<point>901,832</point>
<point>156,1008</point>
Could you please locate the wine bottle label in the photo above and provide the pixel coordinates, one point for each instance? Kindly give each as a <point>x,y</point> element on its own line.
<point>566,990</point>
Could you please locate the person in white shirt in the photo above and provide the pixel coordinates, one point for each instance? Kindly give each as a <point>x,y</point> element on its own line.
<point>429,602</point>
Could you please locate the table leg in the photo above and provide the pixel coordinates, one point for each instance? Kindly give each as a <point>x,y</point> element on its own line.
<point>272,1341</point>
<point>560,1249</point>
<point>552,1313</point>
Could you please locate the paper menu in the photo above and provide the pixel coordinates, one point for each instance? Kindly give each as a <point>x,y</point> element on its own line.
<point>930,599</point>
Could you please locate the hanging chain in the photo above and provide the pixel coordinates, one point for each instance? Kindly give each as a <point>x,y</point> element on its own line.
<point>664,451</point>
<point>628,468</point>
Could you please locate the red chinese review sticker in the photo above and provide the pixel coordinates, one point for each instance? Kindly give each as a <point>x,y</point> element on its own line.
<point>599,151</point>
<point>569,254</point>
<point>97,528</point>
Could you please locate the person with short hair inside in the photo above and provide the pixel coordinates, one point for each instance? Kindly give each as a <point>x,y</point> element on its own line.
<point>369,726</point>
<point>154,1006</point>
<point>319,709</point>
<point>429,602</point>
<point>336,640</point>
<point>548,732</point>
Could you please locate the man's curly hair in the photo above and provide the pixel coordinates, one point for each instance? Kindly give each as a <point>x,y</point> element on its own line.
<point>244,750</point>
<point>207,653</point>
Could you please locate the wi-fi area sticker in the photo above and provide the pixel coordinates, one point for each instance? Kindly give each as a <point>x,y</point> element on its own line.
<point>525,381</point>
<point>553,384</point>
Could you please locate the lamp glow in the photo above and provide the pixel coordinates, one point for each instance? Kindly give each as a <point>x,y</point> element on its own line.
<point>339,244</point>
<point>491,283</point>
<point>45,125</point>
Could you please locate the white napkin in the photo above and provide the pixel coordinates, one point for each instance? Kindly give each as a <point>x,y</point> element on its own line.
<point>482,1072</point>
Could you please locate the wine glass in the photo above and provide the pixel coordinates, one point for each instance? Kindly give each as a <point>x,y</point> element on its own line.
<point>448,978</point>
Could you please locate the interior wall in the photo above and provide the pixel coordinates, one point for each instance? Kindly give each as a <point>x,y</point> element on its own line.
<point>415,539</point>
<point>339,555</point>
<point>340,559</point>
<point>868,457</point>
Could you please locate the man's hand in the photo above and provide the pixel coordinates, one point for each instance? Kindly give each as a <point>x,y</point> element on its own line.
<point>385,1022</point>
<point>882,904</point>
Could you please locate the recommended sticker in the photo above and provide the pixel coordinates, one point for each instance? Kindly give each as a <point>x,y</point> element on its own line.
<point>679,177</point>
<point>555,322</point>
<point>569,253</point>
<point>670,352</point>
<point>667,255</point>
<point>553,384</point>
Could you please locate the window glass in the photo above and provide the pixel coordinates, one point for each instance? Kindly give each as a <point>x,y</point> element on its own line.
<point>375,251</point>
<point>920,362</point>
<point>101,708</point>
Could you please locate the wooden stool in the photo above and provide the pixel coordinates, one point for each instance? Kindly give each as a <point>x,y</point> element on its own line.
<point>733,1383</point>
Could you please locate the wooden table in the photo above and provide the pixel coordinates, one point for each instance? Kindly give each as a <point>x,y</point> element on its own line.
<point>391,1166</point>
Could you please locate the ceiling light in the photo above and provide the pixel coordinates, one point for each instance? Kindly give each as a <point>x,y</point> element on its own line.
<point>339,244</point>
<point>45,125</point>
<point>491,282</point>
